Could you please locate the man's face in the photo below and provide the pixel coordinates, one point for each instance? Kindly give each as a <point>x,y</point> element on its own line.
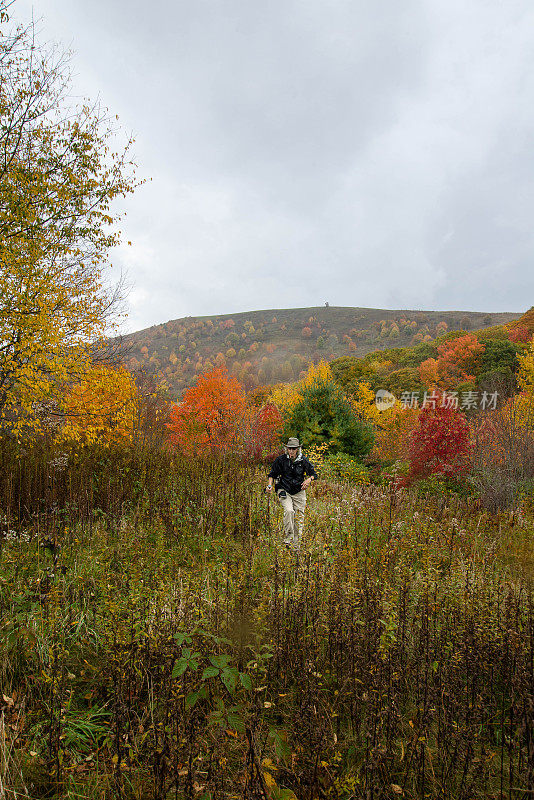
<point>292,452</point>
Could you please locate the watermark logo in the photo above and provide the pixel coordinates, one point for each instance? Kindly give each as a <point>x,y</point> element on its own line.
<point>384,399</point>
<point>462,401</point>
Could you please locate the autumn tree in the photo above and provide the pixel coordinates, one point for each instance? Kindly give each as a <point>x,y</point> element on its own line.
<point>458,358</point>
<point>286,395</point>
<point>363,402</point>
<point>520,333</point>
<point>264,431</point>
<point>392,440</point>
<point>455,364</point>
<point>525,377</point>
<point>429,372</point>
<point>101,408</point>
<point>440,444</point>
<point>58,178</point>
<point>519,410</point>
<point>212,415</point>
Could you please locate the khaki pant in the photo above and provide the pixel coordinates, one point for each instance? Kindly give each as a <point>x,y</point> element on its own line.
<point>293,505</point>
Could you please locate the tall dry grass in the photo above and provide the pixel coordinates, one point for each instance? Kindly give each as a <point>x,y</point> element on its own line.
<point>158,641</point>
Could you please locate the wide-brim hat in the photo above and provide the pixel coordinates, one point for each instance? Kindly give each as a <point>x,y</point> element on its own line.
<point>292,442</point>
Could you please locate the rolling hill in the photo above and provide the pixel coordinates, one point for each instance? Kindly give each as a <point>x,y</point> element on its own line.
<point>266,347</point>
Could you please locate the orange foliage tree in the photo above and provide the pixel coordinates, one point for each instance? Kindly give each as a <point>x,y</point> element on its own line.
<point>428,372</point>
<point>212,415</point>
<point>455,362</point>
<point>215,417</point>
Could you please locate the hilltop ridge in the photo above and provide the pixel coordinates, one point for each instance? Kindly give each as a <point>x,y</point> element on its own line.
<point>273,345</point>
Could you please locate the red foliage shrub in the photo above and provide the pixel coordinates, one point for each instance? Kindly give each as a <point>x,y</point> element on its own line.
<point>520,334</point>
<point>439,445</point>
<point>265,429</point>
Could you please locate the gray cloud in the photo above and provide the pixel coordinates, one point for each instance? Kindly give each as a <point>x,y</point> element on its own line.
<point>302,151</point>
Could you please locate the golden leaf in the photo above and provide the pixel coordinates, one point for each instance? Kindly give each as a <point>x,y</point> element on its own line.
<point>269,780</point>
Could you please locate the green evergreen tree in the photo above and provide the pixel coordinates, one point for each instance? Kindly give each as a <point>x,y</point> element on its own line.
<point>325,415</point>
<point>499,356</point>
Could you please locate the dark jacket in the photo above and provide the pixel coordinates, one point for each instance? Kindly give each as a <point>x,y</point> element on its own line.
<point>290,475</point>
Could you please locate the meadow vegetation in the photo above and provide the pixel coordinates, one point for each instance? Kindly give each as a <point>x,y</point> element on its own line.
<point>158,642</point>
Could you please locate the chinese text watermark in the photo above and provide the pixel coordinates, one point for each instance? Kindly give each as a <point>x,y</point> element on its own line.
<point>462,401</point>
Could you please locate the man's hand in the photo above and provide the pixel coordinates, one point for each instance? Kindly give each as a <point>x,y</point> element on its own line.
<point>268,488</point>
<point>306,483</point>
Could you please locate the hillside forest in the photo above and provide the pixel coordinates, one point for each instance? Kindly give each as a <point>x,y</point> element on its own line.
<point>266,347</point>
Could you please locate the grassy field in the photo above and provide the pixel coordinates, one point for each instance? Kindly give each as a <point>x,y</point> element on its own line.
<point>159,642</point>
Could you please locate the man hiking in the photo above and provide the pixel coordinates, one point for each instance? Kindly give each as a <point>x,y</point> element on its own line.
<point>293,474</point>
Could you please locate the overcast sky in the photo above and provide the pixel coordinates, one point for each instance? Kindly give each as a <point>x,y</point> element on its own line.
<point>376,153</point>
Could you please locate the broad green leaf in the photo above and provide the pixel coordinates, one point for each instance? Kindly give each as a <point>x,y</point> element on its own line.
<point>217,639</point>
<point>181,637</point>
<point>179,668</point>
<point>246,683</point>
<point>210,672</point>
<point>236,722</point>
<point>220,661</point>
<point>229,677</point>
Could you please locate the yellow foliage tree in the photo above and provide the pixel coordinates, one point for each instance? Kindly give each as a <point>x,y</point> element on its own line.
<point>58,178</point>
<point>525,375</point>
<point>287,395</point>
<point>519,410</point>
<point>101,408</point>
<point>363,401</point>
<point>392,440</point>
<point>317,373</point>
<point>283,396</point>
